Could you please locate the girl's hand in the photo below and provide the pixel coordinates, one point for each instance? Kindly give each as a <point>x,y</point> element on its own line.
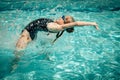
<point>96,25</point>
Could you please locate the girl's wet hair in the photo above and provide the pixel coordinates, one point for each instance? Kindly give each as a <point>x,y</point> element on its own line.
<point>70,30</point>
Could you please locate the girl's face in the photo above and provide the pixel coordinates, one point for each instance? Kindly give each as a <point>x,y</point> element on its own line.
<point>60,21</point>
<point>68,19</point>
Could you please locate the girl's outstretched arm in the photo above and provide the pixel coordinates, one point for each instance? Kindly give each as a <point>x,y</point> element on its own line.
<point>80,24</point>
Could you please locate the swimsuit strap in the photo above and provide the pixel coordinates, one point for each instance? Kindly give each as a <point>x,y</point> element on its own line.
<point>58,35</point>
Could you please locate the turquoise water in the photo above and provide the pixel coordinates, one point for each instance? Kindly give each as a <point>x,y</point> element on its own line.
<point>86,54</point>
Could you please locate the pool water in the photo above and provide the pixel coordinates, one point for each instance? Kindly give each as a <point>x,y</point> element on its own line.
<point>85,54</point>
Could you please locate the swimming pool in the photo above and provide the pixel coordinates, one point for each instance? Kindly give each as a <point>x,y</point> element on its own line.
<point>86,54</point>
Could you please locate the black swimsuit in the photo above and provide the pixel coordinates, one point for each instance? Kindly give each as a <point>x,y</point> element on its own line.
<point>37,25</point>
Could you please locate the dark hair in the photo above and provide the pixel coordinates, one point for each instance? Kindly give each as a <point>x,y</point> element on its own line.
<point>70,30</point>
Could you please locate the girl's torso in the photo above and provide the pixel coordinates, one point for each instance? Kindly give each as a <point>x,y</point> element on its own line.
<point>42,24</point>
<point>38,25</point>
